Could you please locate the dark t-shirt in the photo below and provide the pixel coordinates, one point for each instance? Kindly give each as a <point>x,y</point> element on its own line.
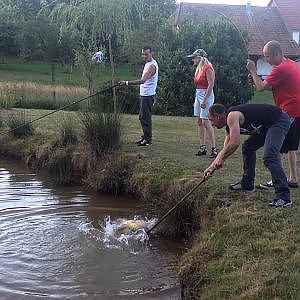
<point>258,117</point>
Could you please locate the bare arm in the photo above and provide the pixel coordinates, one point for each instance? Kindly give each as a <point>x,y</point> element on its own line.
<point>233,138</point>
<point>151,71</point>
<point>260,84</point>
<point>231,143</point>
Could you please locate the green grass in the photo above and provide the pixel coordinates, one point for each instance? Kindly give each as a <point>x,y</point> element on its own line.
<point>15,70</point>
<point>265,97</point>
<point>242,251</point>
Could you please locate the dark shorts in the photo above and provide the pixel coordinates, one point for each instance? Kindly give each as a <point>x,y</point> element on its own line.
<point>291,141</point>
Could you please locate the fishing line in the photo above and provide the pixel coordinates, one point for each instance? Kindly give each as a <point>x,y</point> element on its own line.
<point>233,24</point>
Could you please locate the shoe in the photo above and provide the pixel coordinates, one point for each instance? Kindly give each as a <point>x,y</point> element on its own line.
<point>267,186</point>
<point>214,152</point>
<point>202,151</point>
<point>140,140</point>
<point>293,185</point>
<point>238,187</point>
<point>280,203</point>
<point>144,143</point>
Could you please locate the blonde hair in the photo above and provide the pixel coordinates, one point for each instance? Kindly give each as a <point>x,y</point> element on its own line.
<point>203,61</point>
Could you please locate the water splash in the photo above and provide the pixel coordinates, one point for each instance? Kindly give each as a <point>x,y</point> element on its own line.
<point>133,241</point>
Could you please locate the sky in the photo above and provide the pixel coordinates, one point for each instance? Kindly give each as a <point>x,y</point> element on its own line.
<point>237,2</point>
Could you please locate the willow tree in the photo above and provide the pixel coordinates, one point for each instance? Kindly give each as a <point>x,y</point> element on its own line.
<point>98,23</point>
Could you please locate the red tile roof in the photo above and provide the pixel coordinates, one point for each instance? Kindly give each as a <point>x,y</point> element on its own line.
<point>263,23</point>
<point>290,10</point>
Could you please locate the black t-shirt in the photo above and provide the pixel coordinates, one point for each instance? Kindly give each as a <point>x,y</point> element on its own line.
<point>258,117</point>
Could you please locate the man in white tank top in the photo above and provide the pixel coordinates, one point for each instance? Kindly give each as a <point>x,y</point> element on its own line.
<point>148,84</point>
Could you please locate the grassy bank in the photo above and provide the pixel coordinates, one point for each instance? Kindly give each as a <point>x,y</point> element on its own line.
<point>239,248</point>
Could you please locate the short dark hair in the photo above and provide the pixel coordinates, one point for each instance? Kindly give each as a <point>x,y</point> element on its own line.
<point>217,109</point>
<point>274,47</point>
<point>147,48</point>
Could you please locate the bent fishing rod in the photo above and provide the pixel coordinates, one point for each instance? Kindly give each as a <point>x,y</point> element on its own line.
<point>175,206</point>
<point>65,106</point>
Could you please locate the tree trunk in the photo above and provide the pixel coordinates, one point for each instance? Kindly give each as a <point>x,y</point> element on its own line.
<point>53,76</point>
<point>111,58</point>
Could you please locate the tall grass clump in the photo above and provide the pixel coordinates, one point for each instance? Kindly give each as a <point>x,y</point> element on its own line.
<point>102,131</point>
<point>68,134</point>
<point>18,124</point>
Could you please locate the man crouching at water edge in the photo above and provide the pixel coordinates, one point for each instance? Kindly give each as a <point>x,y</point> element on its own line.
<point>267,126</point>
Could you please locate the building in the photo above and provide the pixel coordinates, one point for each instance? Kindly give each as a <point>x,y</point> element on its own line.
<point>290,13</point>
<point>262,23</point>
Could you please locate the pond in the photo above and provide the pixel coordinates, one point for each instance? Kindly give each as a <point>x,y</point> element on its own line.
<point>53,244</point>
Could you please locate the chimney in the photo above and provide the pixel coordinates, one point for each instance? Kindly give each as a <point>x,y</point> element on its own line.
<point>248,8</point>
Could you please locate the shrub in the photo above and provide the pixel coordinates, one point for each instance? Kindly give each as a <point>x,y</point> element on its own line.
<point>222,42</point>
<point>127,100</point>
<point>60,164</point>
<point>102,131</point>
<point>67,132</point>
<point>18,124</point>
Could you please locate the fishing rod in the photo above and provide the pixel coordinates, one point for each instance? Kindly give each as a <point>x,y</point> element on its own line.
<point>65,106</point>
<point>238,30</point>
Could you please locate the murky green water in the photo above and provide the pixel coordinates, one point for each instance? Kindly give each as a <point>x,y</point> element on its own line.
<point>47,253</point>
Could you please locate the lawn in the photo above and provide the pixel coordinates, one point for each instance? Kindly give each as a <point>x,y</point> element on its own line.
<point>265,97</point>
<point>16,70</point>
<point>242,249</point>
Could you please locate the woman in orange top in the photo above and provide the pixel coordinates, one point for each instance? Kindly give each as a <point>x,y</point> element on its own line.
<point>204,99</point>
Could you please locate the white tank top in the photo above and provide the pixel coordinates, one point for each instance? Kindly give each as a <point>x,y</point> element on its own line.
<point>148,88</point>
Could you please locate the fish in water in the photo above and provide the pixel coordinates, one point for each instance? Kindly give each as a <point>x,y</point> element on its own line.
<point>130,226</point>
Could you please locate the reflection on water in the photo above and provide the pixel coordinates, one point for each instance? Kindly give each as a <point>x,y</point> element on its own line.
<point>52,245</point>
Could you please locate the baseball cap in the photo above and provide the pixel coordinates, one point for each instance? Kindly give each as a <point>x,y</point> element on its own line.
<point>198,53</point>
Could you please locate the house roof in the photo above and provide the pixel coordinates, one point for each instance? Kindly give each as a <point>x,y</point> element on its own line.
<point>263,23</point>
<point>290,10</point>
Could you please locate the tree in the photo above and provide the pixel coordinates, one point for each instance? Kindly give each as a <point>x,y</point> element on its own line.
<point>224,46</point>
<point>147,16</point>
<point>9,44</point>
<point>84,62</point>
<point>96,22</point>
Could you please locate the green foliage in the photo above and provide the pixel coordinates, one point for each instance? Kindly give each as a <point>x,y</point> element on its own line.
<point>83,59</point>
<point>226,52</point>
<point>176,89</point>
<point>67,131</point>
<point>8,39</point>
<point>114,175</point>
<point>18,124</point>
<point>146,17</point>
<point>127,101</point>
<point>102,131</point>
<point>60,164</point>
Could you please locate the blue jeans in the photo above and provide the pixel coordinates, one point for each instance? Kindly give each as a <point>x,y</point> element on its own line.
<point>271,141</point>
